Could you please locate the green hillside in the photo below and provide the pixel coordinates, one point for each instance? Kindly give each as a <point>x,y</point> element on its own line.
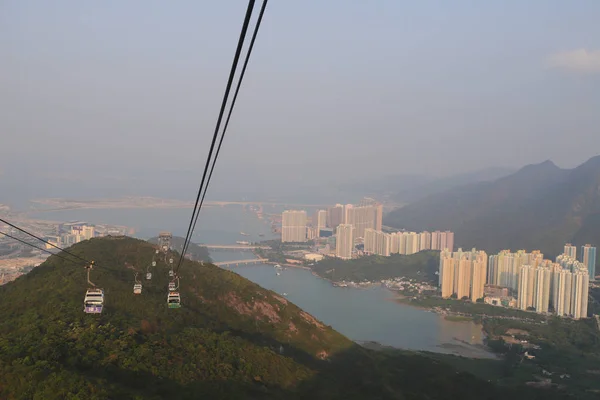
<point>231,339</point>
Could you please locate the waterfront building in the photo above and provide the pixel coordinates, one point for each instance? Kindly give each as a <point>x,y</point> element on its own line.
<point>293,226</point>
<point>377,242</point>
<point>463,273</point>
<point>344,241</point>
<point>320,221</point>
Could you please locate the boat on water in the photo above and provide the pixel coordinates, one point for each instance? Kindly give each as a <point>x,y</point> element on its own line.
<point>243,242</point>
<point>278,273</point>
<point>277,266</point>
<point>244,234</point>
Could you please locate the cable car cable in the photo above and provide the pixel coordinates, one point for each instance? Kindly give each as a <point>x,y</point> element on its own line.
<point>218,125</point>
<point>237,90</point>
<point>45,241</point>
<point>39,248</point>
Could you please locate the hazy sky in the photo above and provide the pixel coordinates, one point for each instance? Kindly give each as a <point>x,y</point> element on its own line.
<point>368,87</point>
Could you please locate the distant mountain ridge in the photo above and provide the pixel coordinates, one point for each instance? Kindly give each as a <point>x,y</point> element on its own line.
<point>405,188</point>
<point>541,206</point>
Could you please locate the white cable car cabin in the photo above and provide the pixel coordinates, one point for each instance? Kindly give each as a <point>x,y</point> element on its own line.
<point>174,300</point>
<point>93,303</point>
<point>171,286</point>
<point>171,272</point>
<point>149,275</point>
<point>137,288</point>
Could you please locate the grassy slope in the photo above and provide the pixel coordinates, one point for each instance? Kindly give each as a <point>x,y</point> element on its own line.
<point>223,343</point>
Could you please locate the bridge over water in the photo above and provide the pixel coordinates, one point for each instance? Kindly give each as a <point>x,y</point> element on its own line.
<point>243,262</point>
<point>238,247</point>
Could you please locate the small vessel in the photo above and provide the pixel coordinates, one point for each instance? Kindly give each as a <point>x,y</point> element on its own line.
<point>277,266</point>
<point>243,242</point>
<point>244,234</point>
<point>278,273</point>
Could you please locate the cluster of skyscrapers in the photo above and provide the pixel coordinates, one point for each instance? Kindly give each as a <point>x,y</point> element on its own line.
<point>385,244</point>
<point>77,232</point>
<point>295,225</point>
<point>354,224</point>
<point>538,284</point>
<point>463,273</point>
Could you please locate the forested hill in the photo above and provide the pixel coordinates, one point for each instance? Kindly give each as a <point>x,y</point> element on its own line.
<point>230,340</point>
<point>195,251</point>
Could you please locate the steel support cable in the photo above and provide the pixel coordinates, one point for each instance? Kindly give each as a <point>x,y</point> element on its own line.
<point>218,126</point>
<point>39,248</point>
<point>235,95</point>
<point>45,241</point>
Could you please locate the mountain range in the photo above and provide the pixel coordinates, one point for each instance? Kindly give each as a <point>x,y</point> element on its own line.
<point>541,206</point>
<point>406,188</point>
<point>231,339</point>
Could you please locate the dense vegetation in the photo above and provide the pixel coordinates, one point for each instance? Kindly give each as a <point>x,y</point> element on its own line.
<point>539,207</point>
<point>421,266</point>
<point>568,350</point>
<point>467,307</point>
<point>195,251</point>
<point>231,339</point>
<point>280,252</point>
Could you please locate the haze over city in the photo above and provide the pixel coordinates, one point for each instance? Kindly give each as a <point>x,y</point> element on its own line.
<point>406,204</point>
<point>123,90</point>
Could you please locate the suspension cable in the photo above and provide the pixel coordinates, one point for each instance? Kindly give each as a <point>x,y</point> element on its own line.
<point>39,248</point>
<point>237,90</point>
<point>217,127</point>
<point>45,241</point>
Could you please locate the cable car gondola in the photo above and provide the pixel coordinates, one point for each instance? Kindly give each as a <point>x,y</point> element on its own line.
<point>174,300</point>
<point>93,302</point>
<point>171,286</point>
<point>137,288</point>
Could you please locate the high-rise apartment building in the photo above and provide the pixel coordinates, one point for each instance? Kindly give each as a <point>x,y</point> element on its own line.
<point>588,257</point>
<point>344,241</point>
<point>424,241</point>
<point>377,242</point>
<point>479,263</point>
<point>463,273</point>
<point>570,250</point>
<point>435,241</point>
<point>363,217</point>
<point>542,286</point>
<point>526,286</point>
<point>449,243</point>
<point>293,226</point>
<point>335,216</point>
<point>320,221</point>
<point>570,287</point>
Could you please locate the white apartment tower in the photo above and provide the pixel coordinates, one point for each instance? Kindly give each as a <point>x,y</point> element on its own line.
<point>321,221</point>
<point>293,226</point>
<point>344,243</point>
<point>570,250</point>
